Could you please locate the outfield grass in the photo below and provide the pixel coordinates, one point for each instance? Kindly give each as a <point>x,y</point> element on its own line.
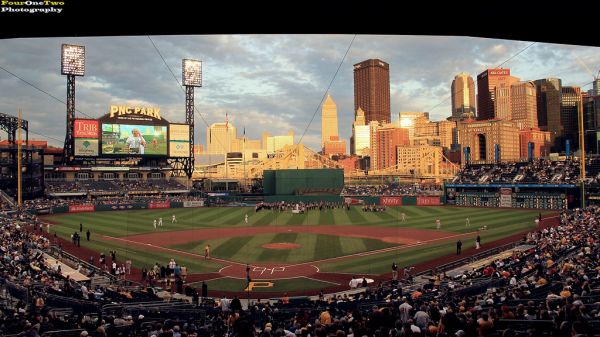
<point>500,222</point>
<point>233,284</point>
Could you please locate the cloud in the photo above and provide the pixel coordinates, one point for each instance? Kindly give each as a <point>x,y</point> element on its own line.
<point>269,83</point>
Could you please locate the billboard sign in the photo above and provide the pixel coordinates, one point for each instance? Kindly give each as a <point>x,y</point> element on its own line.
<point>390,201</point>
<point>81,208</point>
<point>506,197</point>
<point>451,196</point>
<point>428,201</point>
<point>354,201</point>
<point>193,203</point>
<point>86,147</point>
<point>85,132</point>
<point>85,128</point>
<point>163,204</point>
<point>179,140</point>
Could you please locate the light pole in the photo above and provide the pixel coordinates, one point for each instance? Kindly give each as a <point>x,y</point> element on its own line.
<point>581,148</point>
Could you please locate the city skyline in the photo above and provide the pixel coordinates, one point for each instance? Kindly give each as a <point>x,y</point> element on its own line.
<point>265,82</point>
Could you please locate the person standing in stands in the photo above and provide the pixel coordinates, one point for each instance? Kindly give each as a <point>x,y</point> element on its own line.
<point>478,242</point>
<point>394,271</point>
<point>204,290</point>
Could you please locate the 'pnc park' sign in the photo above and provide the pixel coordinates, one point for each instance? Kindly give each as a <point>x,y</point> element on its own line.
<point>122,110</point>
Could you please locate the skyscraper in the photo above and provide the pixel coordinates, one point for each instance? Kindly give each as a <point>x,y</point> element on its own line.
<point>569,104</point>
<point>372,90</point>
<point>408,120</point>
<point>463,96</point>
<point>360,141</point>
<point>488,106</point>
<point>219,137</point>
<point>329,121</point>
<point>387,138</point>
<point>524,105</point>
<point>548,107</point>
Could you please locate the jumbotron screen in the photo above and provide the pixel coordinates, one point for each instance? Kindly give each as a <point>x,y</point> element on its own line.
<point>137,140</point>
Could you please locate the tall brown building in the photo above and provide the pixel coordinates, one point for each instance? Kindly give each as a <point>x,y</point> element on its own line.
<point>463,96</point>
<point>388,137</point>
<point>488,106</point>
<point>570,100</point>
<point>549,91</point>
<point>372,90</point>
<point>524,105</point>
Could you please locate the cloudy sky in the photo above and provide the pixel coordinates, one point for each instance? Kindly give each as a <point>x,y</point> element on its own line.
<point>264,82</point>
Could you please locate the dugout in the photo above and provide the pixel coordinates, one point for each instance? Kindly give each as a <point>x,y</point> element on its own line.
<point>309,182</point>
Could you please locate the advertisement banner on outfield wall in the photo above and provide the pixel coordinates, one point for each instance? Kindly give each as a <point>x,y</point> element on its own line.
<point>506,197</point>
<point>354,201</point>
<point>195,203</point>
<point>428,201</point>
<point>390,201</point>
<point>81,208</point>
<point>164,204</point>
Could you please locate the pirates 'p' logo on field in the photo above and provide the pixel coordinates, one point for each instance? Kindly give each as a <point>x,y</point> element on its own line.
<point>261,284</point>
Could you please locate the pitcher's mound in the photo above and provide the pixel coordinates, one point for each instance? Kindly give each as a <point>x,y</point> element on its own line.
<point>281,245</point>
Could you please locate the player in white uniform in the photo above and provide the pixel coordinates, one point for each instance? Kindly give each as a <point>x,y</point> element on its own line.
<point>246,218</point>
<point>438,224</point>
<point>154,223</point>
<point>174,219</point>
<point>160,222</point>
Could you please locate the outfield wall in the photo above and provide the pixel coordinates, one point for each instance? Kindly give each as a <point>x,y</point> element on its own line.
<point>353,200</point>
<point>79,208</point>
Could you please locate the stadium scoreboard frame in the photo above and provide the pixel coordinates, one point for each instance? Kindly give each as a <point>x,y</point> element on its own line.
<point>130,131</point>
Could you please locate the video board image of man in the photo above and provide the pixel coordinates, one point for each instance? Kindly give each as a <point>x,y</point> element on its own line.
<point>121,139</point>
<point>136,142</point>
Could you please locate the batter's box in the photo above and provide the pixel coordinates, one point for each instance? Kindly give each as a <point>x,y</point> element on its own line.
<point>262,270</point>
<point>274,269</point>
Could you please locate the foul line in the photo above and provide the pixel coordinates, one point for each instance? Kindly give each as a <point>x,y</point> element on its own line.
<point>172,250</point>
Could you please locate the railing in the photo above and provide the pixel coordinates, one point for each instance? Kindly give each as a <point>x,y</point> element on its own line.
<point>7,198</point>
<point>57,252</point>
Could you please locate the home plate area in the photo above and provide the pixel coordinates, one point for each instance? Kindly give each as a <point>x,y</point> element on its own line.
<point>263,270</point>
<point>270,272</point>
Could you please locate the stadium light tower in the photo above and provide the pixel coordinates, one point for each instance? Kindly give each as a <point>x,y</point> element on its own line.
<point>192,77</point>
<point>72,63</point>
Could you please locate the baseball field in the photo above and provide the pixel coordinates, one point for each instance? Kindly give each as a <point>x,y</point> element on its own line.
<point>288,252</point>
